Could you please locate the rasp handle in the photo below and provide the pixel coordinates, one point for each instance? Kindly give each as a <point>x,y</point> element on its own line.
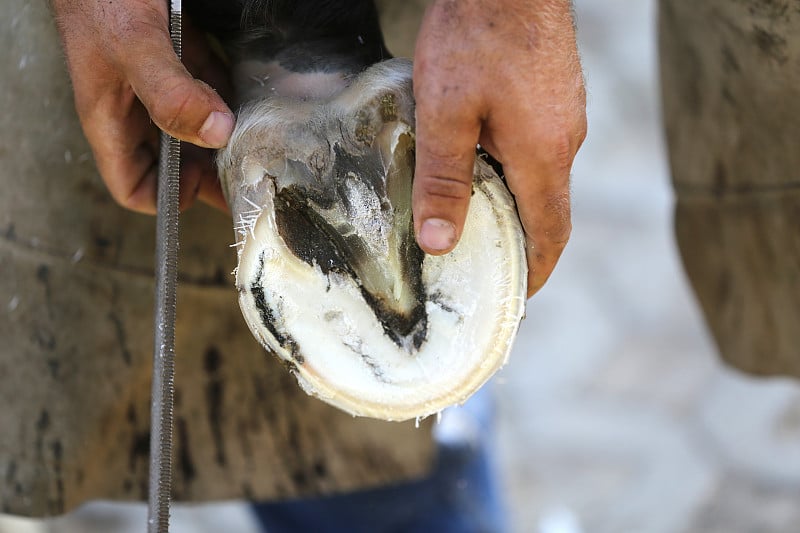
<point>166,268</point>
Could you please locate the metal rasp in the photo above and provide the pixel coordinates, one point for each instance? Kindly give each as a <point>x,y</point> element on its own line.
<point>166,269</point>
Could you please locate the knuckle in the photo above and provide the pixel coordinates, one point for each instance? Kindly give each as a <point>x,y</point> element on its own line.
<point>445,187</point>
<point>556,140</point>
<point>582,128</point>
<point>563,153</point>
<point>579,130</point>
<point>560,238</point>
<point>557,225</point>
<point>559,147</point>
<point>131,180</point>
<point>135,201</point>
<point>126,200</point>
<point>169,106</point>
<point>125,197</point>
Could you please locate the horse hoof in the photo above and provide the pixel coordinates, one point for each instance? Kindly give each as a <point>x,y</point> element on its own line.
<point>329,275</point>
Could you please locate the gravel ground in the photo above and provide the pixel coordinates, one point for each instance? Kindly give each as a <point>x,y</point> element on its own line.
<point>614,414</point>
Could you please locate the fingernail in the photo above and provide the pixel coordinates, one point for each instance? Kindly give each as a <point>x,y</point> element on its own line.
<point>217,129</point>
<point>437,234</point>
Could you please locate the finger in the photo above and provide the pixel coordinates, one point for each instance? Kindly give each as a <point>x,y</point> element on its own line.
<point>125,146</point>
<point>539,178</point>
<point>446,137</point>
<point>184,107</point>
<point>548,227</point>
<point>107,46</point>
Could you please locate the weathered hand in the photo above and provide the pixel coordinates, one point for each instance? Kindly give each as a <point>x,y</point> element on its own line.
<point>505,74</point>
<point>125,73</point>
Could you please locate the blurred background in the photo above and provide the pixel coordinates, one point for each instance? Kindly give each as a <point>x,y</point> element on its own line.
<point>614,415</point>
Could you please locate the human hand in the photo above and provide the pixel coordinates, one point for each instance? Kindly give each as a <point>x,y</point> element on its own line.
<point>124,73</point>
<point>504,74</point>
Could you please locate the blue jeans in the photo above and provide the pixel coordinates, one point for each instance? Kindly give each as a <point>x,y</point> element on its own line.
<point>459,496</point>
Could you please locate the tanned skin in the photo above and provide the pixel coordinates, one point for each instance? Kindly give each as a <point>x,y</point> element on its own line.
<point>502,73</point>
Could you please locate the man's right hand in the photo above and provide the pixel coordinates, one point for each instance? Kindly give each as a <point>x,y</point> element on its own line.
<point>505,74</point>
<point>127,80</point>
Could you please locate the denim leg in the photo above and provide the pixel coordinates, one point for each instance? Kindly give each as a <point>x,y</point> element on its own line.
<point>459,496</point>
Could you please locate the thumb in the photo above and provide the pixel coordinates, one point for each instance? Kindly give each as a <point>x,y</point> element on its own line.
<point>446,138</point>
<point>182,106</point>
